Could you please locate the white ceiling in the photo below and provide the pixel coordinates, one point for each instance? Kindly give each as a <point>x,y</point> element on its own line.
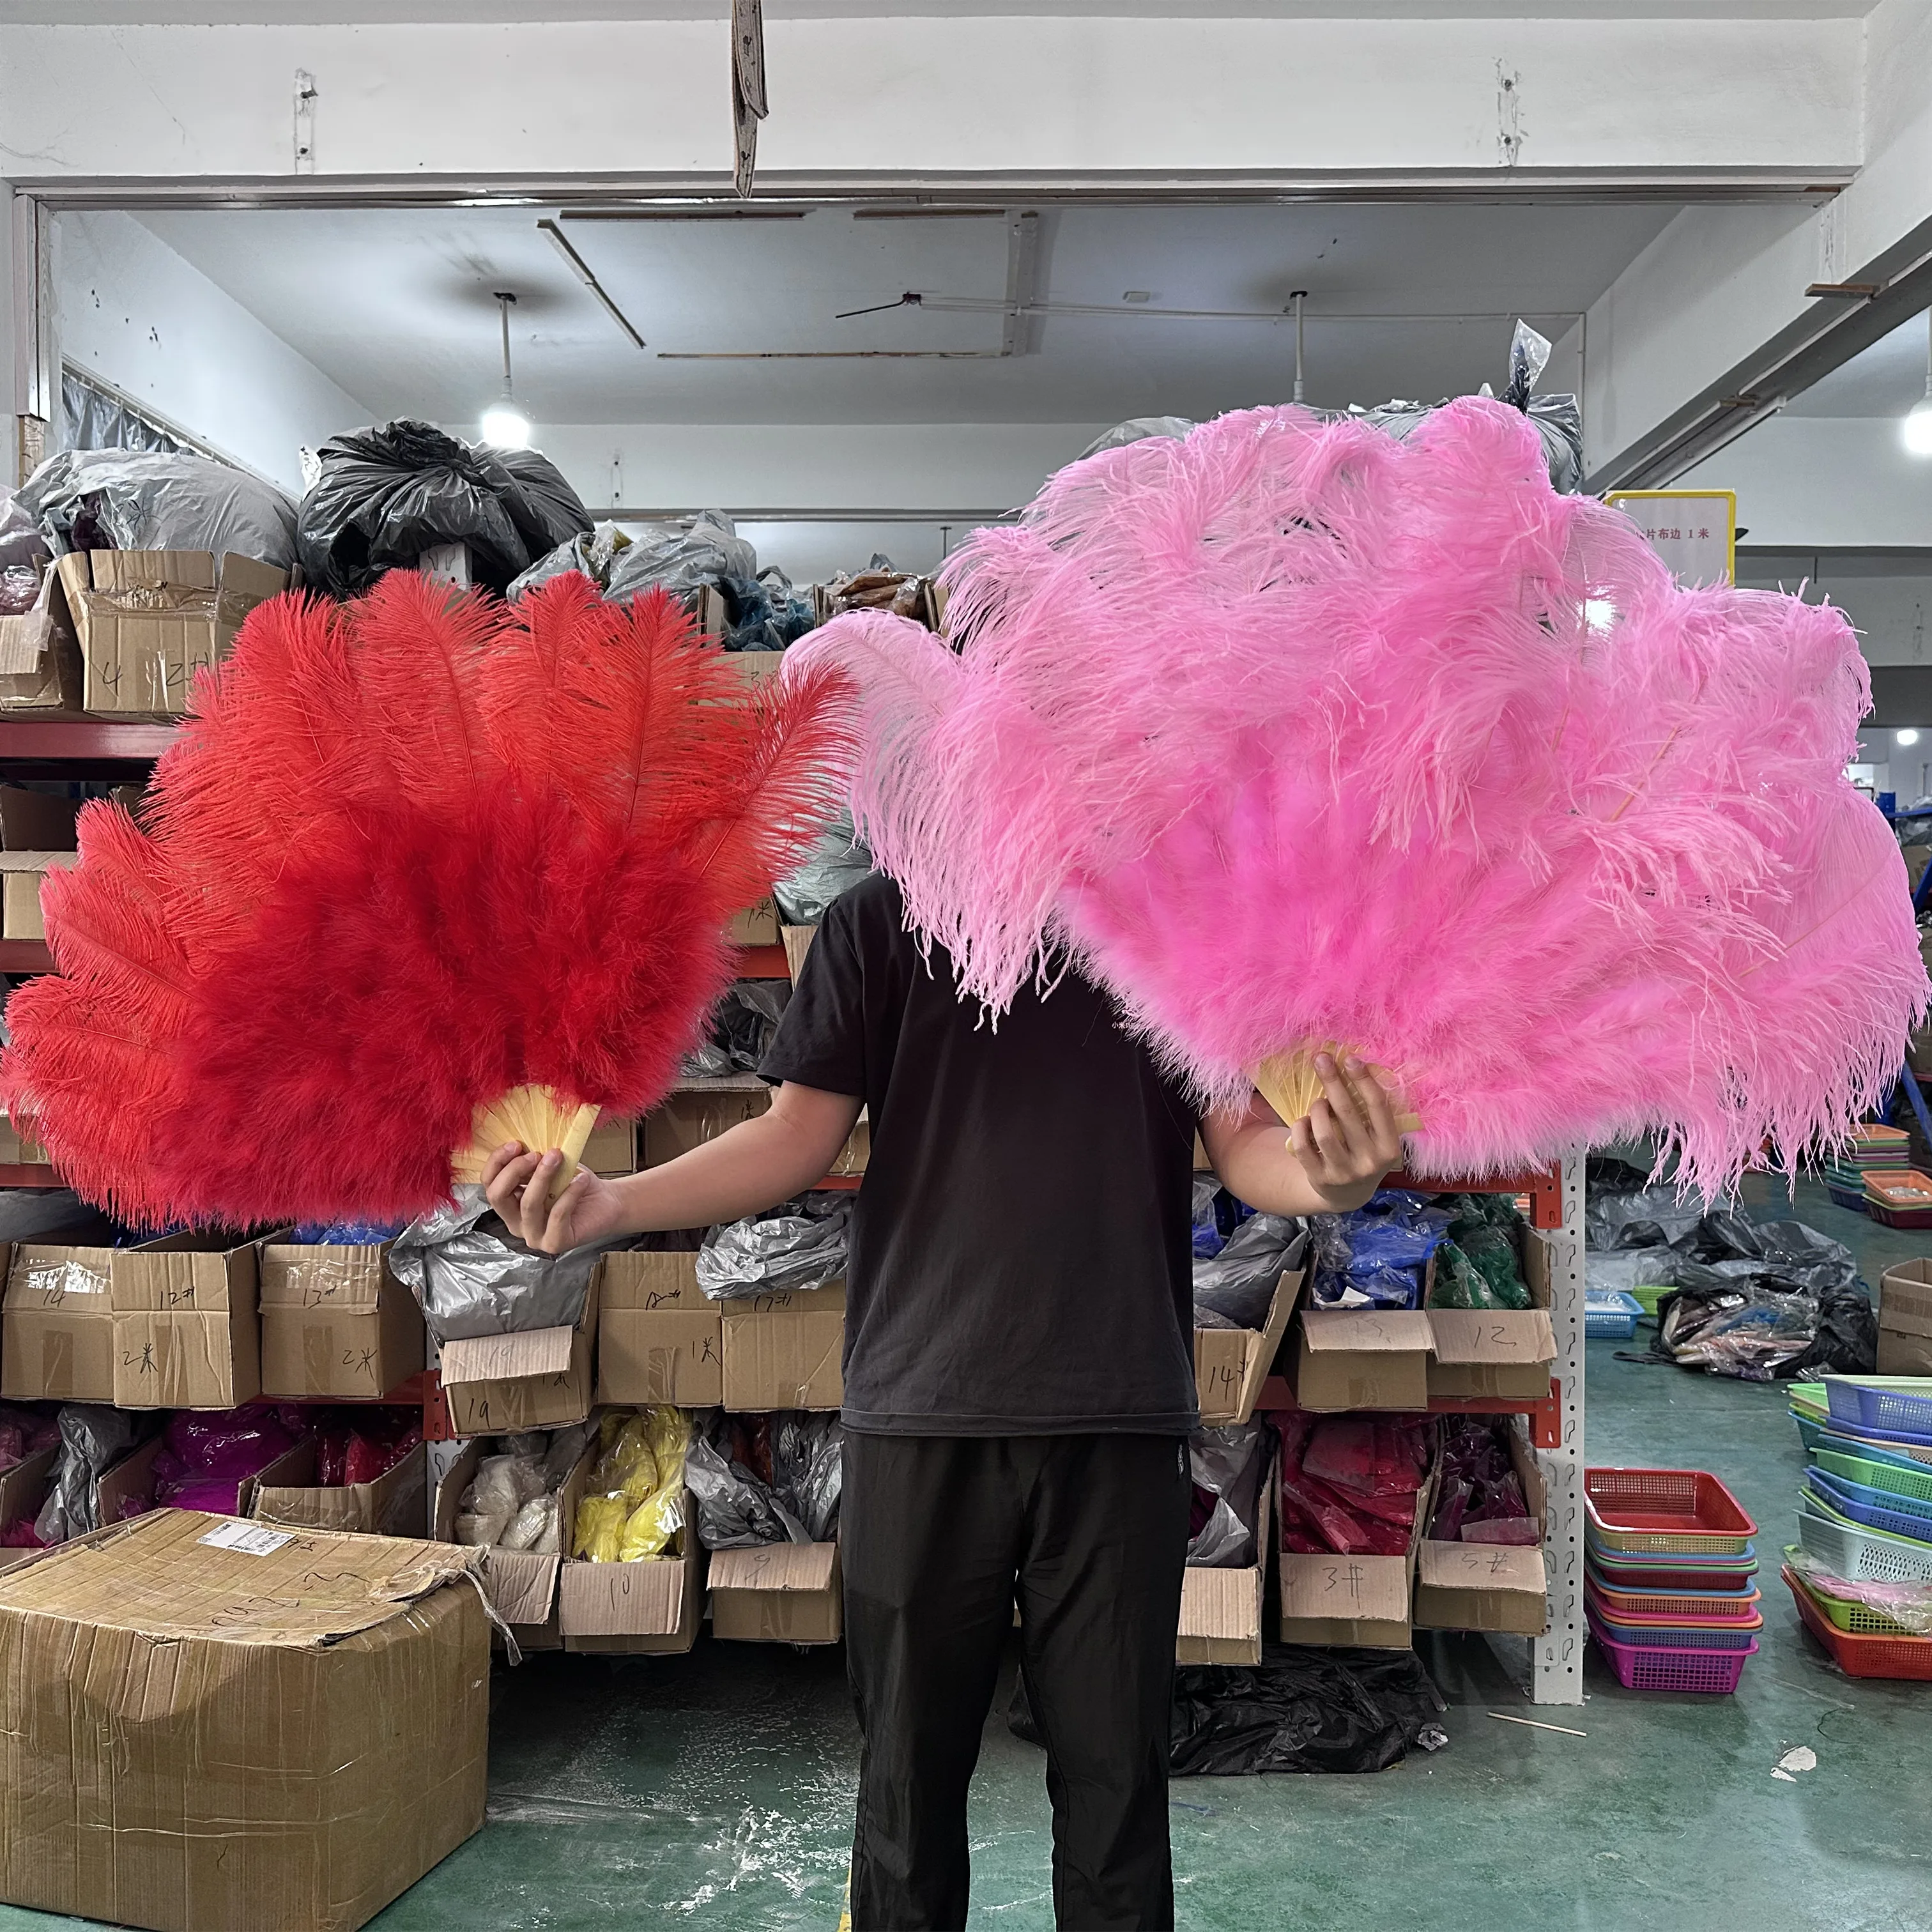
<point>262,13</point>
<point>1884,380</point>
<point>1415,299</point>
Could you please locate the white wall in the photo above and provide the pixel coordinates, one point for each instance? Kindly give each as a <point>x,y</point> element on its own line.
<point>133,312</point>
<point>12,376</point>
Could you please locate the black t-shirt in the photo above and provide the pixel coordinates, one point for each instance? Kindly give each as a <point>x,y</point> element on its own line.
<point>1021,1256</point>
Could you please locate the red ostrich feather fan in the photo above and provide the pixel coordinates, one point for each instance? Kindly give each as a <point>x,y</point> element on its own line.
<point>420,867</point>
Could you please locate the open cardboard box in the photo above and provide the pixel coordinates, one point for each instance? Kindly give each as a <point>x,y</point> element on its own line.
<point>39,657</point>
<point>778,1593</point>
<point>612,1149</point>
<point>1905,1319</point>
<point>659,1338</point>
<point>1506,1354</point>
<point>1221,1609</point>
<point>22,1490</point>
<point>1488,1586</point>
<point>1364,1600</point>
<point>1230,1364</point>
<point>651,1607</point>
<point>187,1330</point>
<point>396,1504</point>
<point>56,1324</point>
<point>539,1378</point>
<point>336,1323</point>
<point>521,1585</point>
<point>785,1349</point>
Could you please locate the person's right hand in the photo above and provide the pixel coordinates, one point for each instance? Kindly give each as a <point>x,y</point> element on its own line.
<point>518,1185</point>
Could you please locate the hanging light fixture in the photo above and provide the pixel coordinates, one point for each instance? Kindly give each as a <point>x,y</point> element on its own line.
<point>1916,430</point>
<point>504,426</point>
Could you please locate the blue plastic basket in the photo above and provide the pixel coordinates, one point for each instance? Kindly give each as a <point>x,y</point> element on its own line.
<point>1845,1443</point>
<point>1609,1314</point>
<point>1811,1435</point>
<point>1900,1406</point>
<point>1877,1509</point>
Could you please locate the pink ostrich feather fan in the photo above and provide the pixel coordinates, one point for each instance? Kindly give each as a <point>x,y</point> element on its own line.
<point>1294,735</point>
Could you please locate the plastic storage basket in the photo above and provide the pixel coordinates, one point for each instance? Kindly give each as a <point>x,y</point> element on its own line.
<point>1659,1634</point>
<point>1847,1549</point>
<point>1625,1605</point>
<point>1876,1509</point>
<point>1665,1513</point>
<point>1708,1574</point>
<point>1902,1479</point>
<point>1897,1455</point>
<point>1710,1673</point>
<point>1909,1658</point>
<point>1846,1613</point>
<point>1900,1404</point>
<point>1609,1315</point>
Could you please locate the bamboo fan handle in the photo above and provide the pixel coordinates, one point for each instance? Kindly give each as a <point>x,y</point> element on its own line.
<point>1290,1085</point>
<point>541,1118</point>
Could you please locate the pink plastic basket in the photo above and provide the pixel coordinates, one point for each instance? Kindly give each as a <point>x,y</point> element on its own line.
<point>1714,1673</point>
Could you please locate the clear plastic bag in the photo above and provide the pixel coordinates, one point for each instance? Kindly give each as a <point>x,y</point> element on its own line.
<point>803,1245</point>
<point>1227,1465</point>
<point>633,1502</point>
<point>119,499</point>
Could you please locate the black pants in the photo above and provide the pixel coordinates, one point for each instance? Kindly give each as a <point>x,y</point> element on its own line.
<point>936,1533</point>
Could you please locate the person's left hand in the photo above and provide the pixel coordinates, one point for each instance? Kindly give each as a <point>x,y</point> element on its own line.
<point>1349,1139</point>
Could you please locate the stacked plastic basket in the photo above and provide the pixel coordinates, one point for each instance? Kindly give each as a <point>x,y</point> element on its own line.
<point>1670,1579</point>
<point>1880,1151</point>
<point>1861,1572</point>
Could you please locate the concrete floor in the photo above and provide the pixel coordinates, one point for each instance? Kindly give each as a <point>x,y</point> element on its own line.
<point>715,1790</point>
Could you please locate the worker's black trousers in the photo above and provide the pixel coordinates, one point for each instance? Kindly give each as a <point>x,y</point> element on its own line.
<point>938,1534</point>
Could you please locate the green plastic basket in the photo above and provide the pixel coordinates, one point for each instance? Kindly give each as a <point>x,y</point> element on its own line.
<point>1916,1483</point>
<point>1809,1434</point>
<point>1649,1297</point>
<point>1857,1619</point>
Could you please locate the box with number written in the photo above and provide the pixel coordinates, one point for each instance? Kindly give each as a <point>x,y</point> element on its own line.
<point>659,1339</point>
<point>520,1584</point>
<point>336,1322</point>
<point>1488,1586</point>
<point>57,1324</point>
<point>1230,1364</point>
<point>187,1331</point>
<point>650,1607</point>
<point>540,1378</point>
<point>216,1725</point>
<point>1503,1353</point>
<point>1353,1600</point>
<point>785,1349</point>
<point>778,1593</point>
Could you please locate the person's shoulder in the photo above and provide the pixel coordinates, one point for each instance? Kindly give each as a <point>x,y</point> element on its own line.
<point>873,904</point>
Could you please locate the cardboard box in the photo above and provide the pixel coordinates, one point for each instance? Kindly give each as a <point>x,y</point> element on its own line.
<point>797,944</point>
<point>1505,1353</point>
<point>756,926</point>
<point>778,1593</point>
<point>651,1608</point>
<point>1362,1358</point>
<point>496,1385</point>
<point>612,1148</point>
<point>785,1350</point>
<point>15,1152</point>
<point>755,666</point>
<point>20,876</point>
<point>336,1322</point>
<point>40,660</point>
<point>1905,1319</point>
<point>1230,1364</point>
<point>219,1727</point>
<point>148,620</point>
<point>658,1338</point>
<point>1488,1586</point>
<point>186,1329</point>
<point>36,821</point>
<point>396,1504</point>
<point>1362,1600</point>
<point>22,1490</point>
<point>57,1324</point>
<point>1221,1609</point>
<point>687,1120</point>
<point>521,1585</point>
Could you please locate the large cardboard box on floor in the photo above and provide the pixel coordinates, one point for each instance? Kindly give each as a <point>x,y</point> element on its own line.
<point>57,1324</point>
<point>396,1504</point>
<point>778,1593</point>
<point>1905,1319</point>
<point>649,1608</point>
<point>1230,1364</point>
<point>186,1329</point>
<point>659,1338</point>
<point>216,1725</point>
<point>148,620</point>
<point>521,1585</point>
<point>1221,1609</point>
<point>540,1378</point>
<point>335,1322</point>
<point>1489,1586</point>
<point>40,660</point>
<point>785,1349</point>
<point>20,876</point>
<point>1365,1600</point>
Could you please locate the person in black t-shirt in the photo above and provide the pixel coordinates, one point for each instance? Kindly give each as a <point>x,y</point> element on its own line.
<point>1018,1370</point>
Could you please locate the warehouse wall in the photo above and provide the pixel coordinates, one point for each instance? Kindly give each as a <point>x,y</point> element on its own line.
<point>132,311</point>
<point>11,373</point>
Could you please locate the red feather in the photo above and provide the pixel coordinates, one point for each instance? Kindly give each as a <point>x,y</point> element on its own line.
<point>405,857</point>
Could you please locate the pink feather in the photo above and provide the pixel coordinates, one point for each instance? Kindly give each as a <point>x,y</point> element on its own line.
<point>1294,733</point>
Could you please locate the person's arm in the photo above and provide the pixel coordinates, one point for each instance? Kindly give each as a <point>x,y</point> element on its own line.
<point>1326,1164</point>
<point>753,1166</point>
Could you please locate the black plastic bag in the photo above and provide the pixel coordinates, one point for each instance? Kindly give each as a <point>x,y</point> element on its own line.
<point>386,494</point>
<point>1299,1709</point>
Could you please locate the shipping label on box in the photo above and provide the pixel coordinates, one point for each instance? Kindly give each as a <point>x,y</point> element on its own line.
<point>336,1322</point>
<point>20,876</point>
<point>1905,1319</point>
<point>785,1350</point>
<point>57,1325</point>
<point>1230,1364</point>
<point>658,1338</point>
<point>778,1593</point>
<point>541,1378</point>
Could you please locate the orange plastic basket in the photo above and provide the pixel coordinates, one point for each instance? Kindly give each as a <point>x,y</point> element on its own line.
<point>1908,1658</point>
<point>1665,1513</point>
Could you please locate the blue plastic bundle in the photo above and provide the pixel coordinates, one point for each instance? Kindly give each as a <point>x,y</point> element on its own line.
<point>1377,1256</point>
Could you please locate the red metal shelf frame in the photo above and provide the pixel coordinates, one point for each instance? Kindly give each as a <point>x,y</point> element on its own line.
<point>78,745</point>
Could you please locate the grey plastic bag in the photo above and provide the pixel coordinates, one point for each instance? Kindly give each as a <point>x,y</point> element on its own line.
<point>681,561</point>
<point>153,501</point>
<point>1238,1284</point>
<point>808,1467</point>
<point>803,1247</point>
<point>471,1278</point>
<point>1228,1463</point>
<point>840,860</point>
<point>93,1439</point>
<point>595,555</point>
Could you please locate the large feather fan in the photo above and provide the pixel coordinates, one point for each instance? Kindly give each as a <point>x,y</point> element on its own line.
<point>1298,737</point>
<point>421,870</point>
